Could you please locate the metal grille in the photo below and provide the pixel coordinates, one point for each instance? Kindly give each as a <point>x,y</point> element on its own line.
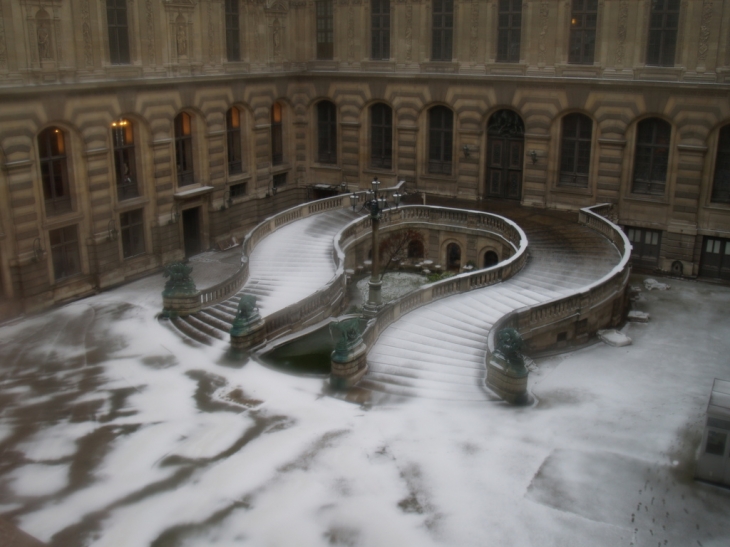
<point>651,158</point>
<point>380,29</point>
<point>663,26</point>
<point>442,30</point>
<point>509,31</point>
<point>325,33</point>
<point>381,136</point>
<point>583,19</point>
<point>575,153</point>
<point>440,140</point>
<point>326,132</point>
<point>233,40</point>
<point>116,18</point>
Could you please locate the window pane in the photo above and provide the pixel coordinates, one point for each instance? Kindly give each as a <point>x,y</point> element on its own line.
<point>715,443</point>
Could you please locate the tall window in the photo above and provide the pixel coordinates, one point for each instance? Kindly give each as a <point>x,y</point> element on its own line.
<point>184,149</point>
<point>509,31</point>
<point>663,26</point>
<point>326,132</point>
<point>440,139</point>
<point>381,136</point>
<point>233,39</point>
<point>233,141</point>
<point>132,228</point>
<point>54,171</point>
<point>721,182</point>
<point>325,33</point>
<point>442,30</point>
<point>575,153</point>
<point>125,166</point>
<point>583,18</point>
<point>277,140</point>
<point>651,158</point>
<point>65,252</point>
<point>116,18</point>
<point>380,29</point>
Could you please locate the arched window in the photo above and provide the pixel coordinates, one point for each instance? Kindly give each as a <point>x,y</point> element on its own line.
<point>233,141</point>
<point>184,149</point>
<point>575,153</point>
<point>651,157</point>
<point>326,132</point>
<point>277,140</point>
<point>381,136</point>
<point>440,139</point>
<point>721,182</point>
<point>54,171</point>
<point>490,259</point>
<point>453,256</point>
<point>415,249</point>
<point>125,165</point>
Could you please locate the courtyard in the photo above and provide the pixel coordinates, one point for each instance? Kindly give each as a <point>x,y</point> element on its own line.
<point>115,432</point>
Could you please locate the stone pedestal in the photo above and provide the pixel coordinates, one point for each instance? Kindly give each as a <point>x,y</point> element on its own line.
<point>509,384</point>
<point>347,369</point>
<point>375,299</point>
<point>246,335</point>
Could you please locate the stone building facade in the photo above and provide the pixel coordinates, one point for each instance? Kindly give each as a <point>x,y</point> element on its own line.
<point>133,132</point>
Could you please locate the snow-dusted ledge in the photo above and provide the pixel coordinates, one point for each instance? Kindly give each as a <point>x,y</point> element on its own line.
<point>573,318</point>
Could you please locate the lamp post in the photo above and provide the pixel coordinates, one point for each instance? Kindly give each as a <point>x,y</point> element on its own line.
<point>375,203</point>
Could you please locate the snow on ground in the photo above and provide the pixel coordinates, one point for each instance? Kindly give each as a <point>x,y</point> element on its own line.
<point>114,432</point>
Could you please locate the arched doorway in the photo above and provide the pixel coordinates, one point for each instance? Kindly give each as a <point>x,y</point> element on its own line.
<point>505,145</point>
<point>490,259</point>
<point>415,249</point>
<point>453,256</point>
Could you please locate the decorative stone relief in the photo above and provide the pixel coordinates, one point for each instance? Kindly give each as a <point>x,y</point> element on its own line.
<point>351,34</point>
<point>474,32</point>
<point>150,32</point>
<point>86,32</point>
<point>43,36</point>
<point>181,36</point>
<point>409,33</point>
<point>705,30</point>
<point>544,13</point>
<point>276,36</point>
<point>623,17</point>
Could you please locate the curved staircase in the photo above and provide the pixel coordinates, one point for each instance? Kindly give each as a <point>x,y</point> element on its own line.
<point>286,267</point>
<point>439,351</point>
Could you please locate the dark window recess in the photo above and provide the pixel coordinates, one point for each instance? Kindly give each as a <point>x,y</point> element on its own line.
<point>509,31</point>
<point>505,158</point>
<point>575,152</point>
<point>490,259</point>
<point>326,132</point>
<point>125,165</point>
<point>54,171</point>
<point>663,26</point>
<point>721,182</point>
<point>132,228</point>
<point>651,158</point>
<point>715,259</point>
<point>381,136</point>
<point>442,30</point>
<point>279,180</point>
<point>583,17</point>
<point>415,249</point>
<point>453,256</point>
<point>440,140</point>
<point>65,252</point>
<point>325,33</point>
<point>238,190</point>
<point>380,29</point>
<point>718,423</point>
<point>233,38</point>
<point>646,245</point>
<point>233,141</point>
<point>715,443</point>
<point>277,139</point>
<point>116,18</point>
<point>184,149</point>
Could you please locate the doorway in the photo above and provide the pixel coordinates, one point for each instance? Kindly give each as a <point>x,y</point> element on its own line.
<point>715,261</point>
<point>453,256</point>
<point>505,145</point>
<point>191,231</point>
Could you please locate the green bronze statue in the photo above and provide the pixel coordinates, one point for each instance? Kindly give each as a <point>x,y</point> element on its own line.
<point>179,281</point>
<point>346,336</point>
<point>247,315</point>
<point>508,345</point>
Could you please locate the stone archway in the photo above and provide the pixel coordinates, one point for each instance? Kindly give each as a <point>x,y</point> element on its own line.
<point>453,256</point>
<point>490,259</point>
